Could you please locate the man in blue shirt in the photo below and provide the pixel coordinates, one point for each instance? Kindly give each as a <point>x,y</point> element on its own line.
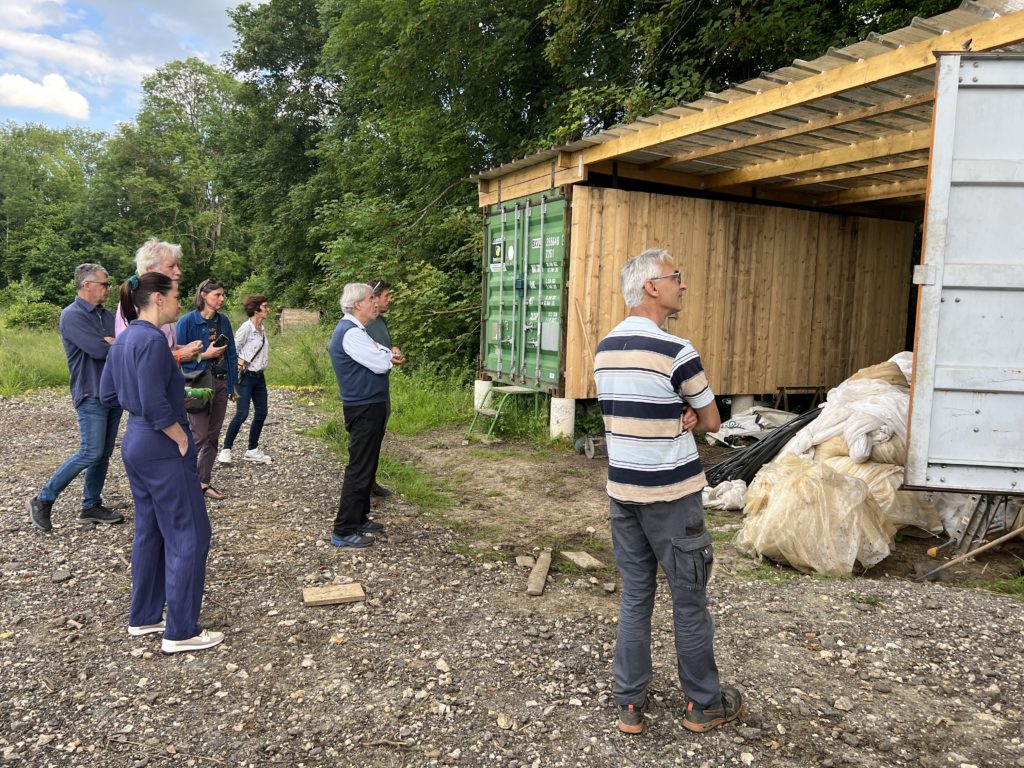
<point>87,331</point>
<point>361,366</point>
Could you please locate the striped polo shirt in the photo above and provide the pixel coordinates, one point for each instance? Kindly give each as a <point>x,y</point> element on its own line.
<point>644,375</point>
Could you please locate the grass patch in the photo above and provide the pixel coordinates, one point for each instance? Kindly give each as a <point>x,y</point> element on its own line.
<point>770,572</point>
<point>497,454</point>
<point>1014,587</point>
<point>422,401</point>
<point>865,599</point>
<point>486,554</point>
<point>31,359</point>
<point>425,492</point>
<point>299,359</point>
<point>724,534</point>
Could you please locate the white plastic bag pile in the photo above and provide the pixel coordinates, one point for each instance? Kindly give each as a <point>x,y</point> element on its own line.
<point>831,497</point>
<point>804,513</point>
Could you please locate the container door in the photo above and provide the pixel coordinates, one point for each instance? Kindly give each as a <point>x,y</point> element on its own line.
<point>524,278</point>
<point>967,400</point>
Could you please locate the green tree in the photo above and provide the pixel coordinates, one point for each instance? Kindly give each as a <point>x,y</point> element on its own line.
<point>44,225</point>
<point>158,176</point>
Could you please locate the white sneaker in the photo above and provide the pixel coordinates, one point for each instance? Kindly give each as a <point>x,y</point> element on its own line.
<point>224,457</point>
<point>145,629</point>
<point>205,639</point>
<point>256,454</point>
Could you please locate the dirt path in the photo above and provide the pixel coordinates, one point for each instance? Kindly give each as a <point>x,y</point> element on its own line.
<point>448,662</point>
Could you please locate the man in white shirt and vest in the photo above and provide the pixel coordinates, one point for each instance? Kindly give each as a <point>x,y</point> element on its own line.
<point>361,366</point>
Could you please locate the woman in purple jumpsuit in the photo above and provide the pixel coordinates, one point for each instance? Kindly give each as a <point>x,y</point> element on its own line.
<point>172,528</point>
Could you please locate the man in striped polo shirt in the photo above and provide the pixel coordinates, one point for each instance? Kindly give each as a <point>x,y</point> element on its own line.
<point>654,395</point>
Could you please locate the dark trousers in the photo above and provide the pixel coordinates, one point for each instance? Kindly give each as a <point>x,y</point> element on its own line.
<point>206,429</point>
<point>672,534</point>
<point>172,531</point>
<point>365,425</point>
<point>252,387</point>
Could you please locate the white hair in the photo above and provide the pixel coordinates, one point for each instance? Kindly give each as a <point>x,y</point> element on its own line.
<point>353,293</point>
<point>152,253</point>
<point>638,270</point>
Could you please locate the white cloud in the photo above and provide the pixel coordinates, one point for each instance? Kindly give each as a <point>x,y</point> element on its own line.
<point>31,14</point>
<point>104,48</point>
<point>89,62</point>
<point>52,95</point>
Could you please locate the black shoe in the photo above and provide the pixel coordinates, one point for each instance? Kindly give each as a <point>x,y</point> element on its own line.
<point>100,515</point>
<point>369,527</point>
<point>380,491</point>
<point>39,513</point>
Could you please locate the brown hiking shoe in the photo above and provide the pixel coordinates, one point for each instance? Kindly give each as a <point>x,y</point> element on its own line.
<point>701,720</point>
<point>631,718</point>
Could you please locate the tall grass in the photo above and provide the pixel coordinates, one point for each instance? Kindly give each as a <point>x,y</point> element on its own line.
<point>30,359</point>
<point>299,359</point>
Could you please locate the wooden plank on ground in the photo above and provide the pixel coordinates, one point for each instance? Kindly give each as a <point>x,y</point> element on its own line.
<point>539,574</point>
<point>333,594</point>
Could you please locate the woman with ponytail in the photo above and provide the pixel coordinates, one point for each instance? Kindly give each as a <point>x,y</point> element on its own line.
<point>172,528</point>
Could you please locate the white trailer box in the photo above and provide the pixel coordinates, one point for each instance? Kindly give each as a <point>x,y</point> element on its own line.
<point>967,396</point>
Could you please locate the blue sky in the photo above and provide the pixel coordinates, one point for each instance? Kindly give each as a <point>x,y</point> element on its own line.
<point>81,62</point>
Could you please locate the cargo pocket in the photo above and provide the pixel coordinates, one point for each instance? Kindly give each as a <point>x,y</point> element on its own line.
<point>693,558</point>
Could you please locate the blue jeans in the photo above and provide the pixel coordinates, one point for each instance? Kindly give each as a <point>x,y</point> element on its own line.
<point>97,426</point>
<point>672,534</point>
<point>251,387</point>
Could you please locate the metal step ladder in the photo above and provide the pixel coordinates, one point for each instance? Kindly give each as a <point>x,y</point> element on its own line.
<point>505,393</point>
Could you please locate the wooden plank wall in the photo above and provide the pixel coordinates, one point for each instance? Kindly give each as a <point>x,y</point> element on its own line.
<point>776,297</point>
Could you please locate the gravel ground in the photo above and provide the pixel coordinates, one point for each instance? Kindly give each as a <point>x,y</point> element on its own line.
<point>448,662</point>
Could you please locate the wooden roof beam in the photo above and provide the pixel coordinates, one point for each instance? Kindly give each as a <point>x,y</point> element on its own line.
<point>886,146</point>
<point>828,178</point>
<point>893,191</point>
<point>841,118</point>
<point>985,35</point>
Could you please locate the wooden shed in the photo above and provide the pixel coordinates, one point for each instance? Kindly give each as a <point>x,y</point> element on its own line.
<point>789,201</point>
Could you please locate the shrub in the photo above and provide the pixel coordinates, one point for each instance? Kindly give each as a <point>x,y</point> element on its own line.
<point>32,314</point>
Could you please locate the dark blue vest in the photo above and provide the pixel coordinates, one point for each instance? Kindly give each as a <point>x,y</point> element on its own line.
<point>357,384</point>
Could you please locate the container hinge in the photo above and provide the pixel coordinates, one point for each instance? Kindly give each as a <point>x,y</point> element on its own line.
<point>924,274</point>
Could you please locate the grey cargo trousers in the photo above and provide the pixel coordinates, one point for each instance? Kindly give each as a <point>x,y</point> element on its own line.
<point>671,533</point>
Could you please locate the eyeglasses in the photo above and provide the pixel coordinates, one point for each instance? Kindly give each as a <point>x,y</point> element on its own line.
<point>677,275</point>
<point>97,282</point>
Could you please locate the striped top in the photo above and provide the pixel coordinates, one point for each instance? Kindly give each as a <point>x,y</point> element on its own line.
<point>644,375</point>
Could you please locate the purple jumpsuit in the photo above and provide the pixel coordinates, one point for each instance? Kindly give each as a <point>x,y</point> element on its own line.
<point>172,528</point>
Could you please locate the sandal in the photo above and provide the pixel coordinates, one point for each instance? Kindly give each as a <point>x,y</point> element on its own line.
<point>210,492</point>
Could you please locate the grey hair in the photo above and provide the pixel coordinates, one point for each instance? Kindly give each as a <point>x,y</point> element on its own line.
<point>152,252</point>
<point>84,272</point>
<point>638,270</point>
<point>354,293</point>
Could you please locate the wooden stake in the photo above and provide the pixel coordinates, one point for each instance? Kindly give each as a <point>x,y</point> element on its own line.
<point>539,574</point>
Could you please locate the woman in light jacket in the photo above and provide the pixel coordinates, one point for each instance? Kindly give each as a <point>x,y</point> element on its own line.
<point>253,352</point>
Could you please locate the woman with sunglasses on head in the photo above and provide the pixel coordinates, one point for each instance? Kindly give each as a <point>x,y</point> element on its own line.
<point>212,327</point>
<point>253,352</point>
<point>172,528</point>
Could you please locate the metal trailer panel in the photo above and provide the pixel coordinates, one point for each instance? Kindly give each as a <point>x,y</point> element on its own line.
<point>967,399</point>
<point>523,293</point>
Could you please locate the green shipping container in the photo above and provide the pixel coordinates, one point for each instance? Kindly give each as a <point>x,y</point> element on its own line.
<point>524,289</point>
